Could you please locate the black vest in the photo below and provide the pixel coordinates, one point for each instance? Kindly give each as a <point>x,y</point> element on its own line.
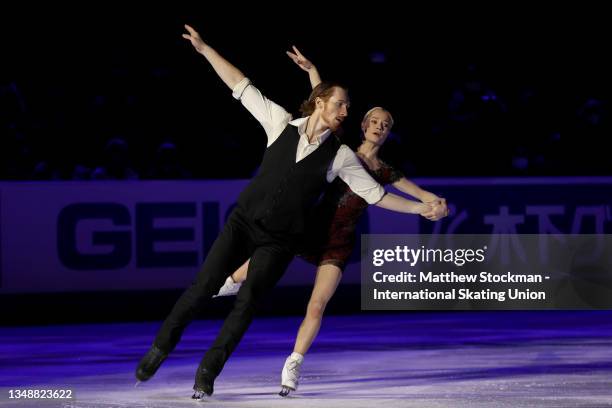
<point>282,195</point>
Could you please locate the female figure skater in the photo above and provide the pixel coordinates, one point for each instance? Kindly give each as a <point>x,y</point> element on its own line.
<point>331,243</point>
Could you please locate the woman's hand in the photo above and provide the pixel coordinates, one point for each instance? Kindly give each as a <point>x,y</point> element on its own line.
<point>300,60</point>
<point>439,210</point>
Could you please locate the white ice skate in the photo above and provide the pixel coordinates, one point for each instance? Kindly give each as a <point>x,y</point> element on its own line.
<point>229,288</point>
<point>291,374</point>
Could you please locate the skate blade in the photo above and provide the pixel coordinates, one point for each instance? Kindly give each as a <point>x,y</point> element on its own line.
<point>199,395</point>
<point>285,391</point>
<point>137,383</point>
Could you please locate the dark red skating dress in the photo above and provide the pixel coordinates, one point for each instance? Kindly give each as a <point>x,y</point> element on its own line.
<point>332,234</point>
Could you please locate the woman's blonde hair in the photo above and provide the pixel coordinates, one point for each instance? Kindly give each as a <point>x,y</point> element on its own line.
<point>369,113</point>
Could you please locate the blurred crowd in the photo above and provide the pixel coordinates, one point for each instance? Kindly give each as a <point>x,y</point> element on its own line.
<point>132,126</point>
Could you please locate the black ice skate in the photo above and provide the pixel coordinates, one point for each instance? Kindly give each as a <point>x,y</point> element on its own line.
<point>150,363</point>
<point>204,384</point>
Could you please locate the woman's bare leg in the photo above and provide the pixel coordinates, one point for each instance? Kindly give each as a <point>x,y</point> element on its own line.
<point>240,274</point>
<point>326,282</point>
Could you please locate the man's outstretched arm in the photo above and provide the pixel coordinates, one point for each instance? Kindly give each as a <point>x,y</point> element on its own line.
<point>228,73</point>
<point>272,117</point>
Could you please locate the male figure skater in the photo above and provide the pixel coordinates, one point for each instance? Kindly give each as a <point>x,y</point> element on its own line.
<point>302,156</point>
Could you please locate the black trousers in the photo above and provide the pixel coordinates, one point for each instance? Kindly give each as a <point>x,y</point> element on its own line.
<point>239,241</point>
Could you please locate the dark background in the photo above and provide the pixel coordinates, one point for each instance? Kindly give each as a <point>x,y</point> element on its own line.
<point>475,91</point>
